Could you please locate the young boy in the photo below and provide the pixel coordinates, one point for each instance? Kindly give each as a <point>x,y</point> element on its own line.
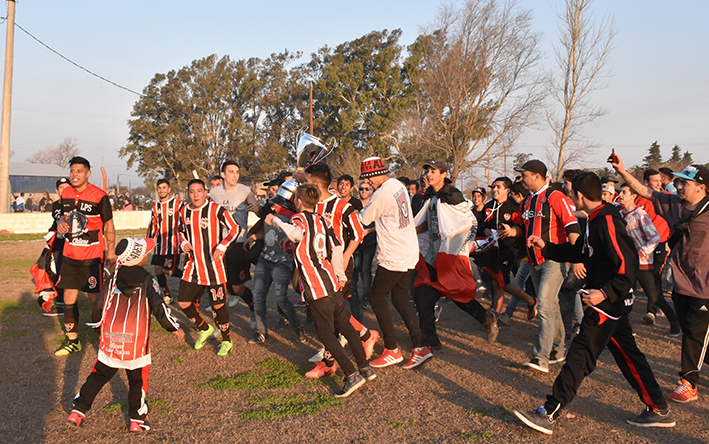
<point>318,256</point>
<point>611,261</point>
<point>128,299</point>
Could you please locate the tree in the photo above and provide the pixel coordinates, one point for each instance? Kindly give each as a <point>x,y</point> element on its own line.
<point>654,157</point>
<point>474,83</point>
<point>56,155</point>
<point>686,160</point>
<point>581,56</point>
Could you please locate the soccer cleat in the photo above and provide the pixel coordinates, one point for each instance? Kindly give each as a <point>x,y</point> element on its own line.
<point>353,382</point>
<point>138,426</point>
<point>683,393</point>
<point>367,373</point>
<point>203,336</point>
<point>532,310</point>
<point>537,365</point>
<point>553,359</point>
<point>387,358</point>
<point>281,324</point>
<point>418,357</point>
<point>224,348</point>
<point>257,338</point>
<point>76,418</point>
<point>538,419</point>
<point>503,319</point>
<point>317,357</point>
<point>649,318</point>
<point>370,343</point>
<point>68,348</point>
<point>491,327</point>
<point>653,418</point>
<point>321,369</point>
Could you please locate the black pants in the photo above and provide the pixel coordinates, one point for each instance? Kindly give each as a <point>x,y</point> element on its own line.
<point>330,313</point>
<point>693,314</point>
<point>101,374</point>
<point>426,298</point>
<point>396,282</point>
<point>597,333</point>
<point>659,263</point>
<point>648,281</point>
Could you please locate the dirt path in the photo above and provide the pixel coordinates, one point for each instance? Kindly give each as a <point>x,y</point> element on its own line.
<point>465,393</point>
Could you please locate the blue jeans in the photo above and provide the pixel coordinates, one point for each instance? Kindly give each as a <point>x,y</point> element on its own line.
<point>520,280</point>
<point>280,275</point>
<point>363,258</point>
<point>548,278</point>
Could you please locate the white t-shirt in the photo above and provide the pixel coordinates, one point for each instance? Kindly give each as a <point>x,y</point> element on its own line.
<point>390,210</point>
<point>235,203</point>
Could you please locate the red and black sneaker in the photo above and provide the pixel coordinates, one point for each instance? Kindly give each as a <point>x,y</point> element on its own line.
<point>138,426</point>
<point>76,418</point>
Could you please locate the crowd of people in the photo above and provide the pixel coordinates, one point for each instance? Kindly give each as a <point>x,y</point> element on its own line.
<point>585,243</point>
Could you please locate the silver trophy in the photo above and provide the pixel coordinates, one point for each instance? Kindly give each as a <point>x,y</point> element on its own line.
<point>310,150</point>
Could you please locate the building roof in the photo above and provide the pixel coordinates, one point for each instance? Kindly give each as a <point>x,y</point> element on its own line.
<point>37,169</point>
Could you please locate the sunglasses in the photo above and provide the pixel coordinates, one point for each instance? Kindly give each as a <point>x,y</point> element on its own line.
<point>365,189</point>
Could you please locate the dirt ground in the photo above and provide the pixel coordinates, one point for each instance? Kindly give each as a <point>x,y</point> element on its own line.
<point>466,392</point>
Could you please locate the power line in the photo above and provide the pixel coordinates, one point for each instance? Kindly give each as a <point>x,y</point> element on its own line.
<point>76,64</point>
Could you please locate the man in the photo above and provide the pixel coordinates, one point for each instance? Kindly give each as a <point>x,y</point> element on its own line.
<point>608,186</point>
<point>667,177</point>
<point>390,210</point>
<point>499,214</point>
<point>87,223</point>
<point>163,228</point>
<point>206,230</point>
<point>549,214</point>
<point>238,199</point>
<point>687,214</point>
<point>444,271</point>
<point>612,262</point>
<point>215,182</point>
<point>479,197</point>
<point>345,185</point>
<point>20,203</point>
<point>652,179</point>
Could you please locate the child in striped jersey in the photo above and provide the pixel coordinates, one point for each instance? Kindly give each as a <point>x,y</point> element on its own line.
<point>128,299</point>
<point>318,256</point>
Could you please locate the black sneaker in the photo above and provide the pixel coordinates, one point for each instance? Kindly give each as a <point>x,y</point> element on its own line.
<point>553,359</point>
<point>367,373</point>
<point>300,304</point>
<point>257,338</point>
<point>281,324</point>
<point>56,312</point>
<point>300,334</point>
<point>353,382</point>
<point>675,331</point>
<point>537,365</point>
<point>653,418</point>
<point>491,327</point>
<point>537,419</point>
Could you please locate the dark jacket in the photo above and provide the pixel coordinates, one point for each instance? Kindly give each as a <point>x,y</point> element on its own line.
<point>610,257</point>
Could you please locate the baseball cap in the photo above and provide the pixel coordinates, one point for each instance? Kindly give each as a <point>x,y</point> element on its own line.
<point>274,182</point>
<point>436,165</point>
<point>696,173</point>
<point>533,166</point>
<point>130,250</point>
<point>608,186</point>
<point>61,181</point>
<point>480,190</point>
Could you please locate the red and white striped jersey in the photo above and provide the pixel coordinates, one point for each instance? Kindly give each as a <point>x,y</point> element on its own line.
<point>86,213</point>
<point>313,255</point>
<point>164,226</point>
<point>202,228</point>
<point>125,324</point>
<point>343,219</point>
<point>548,214</point>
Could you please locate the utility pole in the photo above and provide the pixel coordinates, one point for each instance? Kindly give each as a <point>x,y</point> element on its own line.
<point>310,105</point>
<point>6,106</point>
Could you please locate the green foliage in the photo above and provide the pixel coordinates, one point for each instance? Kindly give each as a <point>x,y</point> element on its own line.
<point>477,411</point>
<point>399,425</point>
<point>502,408</point>
<point>273,374</point>
<point>273,406</point>
<point>654,157</point>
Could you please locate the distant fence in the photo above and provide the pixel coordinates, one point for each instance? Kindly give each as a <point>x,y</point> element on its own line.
<point>24,223</point>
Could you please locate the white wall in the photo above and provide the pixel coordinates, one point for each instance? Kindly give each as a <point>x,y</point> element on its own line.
<point>23,223</point>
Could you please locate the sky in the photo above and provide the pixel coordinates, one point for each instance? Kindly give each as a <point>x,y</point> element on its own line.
<point>658,91</point>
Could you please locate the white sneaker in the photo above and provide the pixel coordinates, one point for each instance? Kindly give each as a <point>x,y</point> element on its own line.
<point>319,356</point>
<point>233,301</point>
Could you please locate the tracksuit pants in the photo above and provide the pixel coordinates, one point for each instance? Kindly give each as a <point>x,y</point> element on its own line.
<point>693,314</point>
<point>396,282</point>
<point>597,332</point>
<point>100,375</point>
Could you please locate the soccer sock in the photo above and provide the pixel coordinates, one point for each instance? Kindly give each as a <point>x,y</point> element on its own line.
<point>328,359</point>
<point>162,280</point>
<point>194,317</point>
<point>221,316</point>
<point>356,324</point>
<point>364,336</point>
<point>71,321</point>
